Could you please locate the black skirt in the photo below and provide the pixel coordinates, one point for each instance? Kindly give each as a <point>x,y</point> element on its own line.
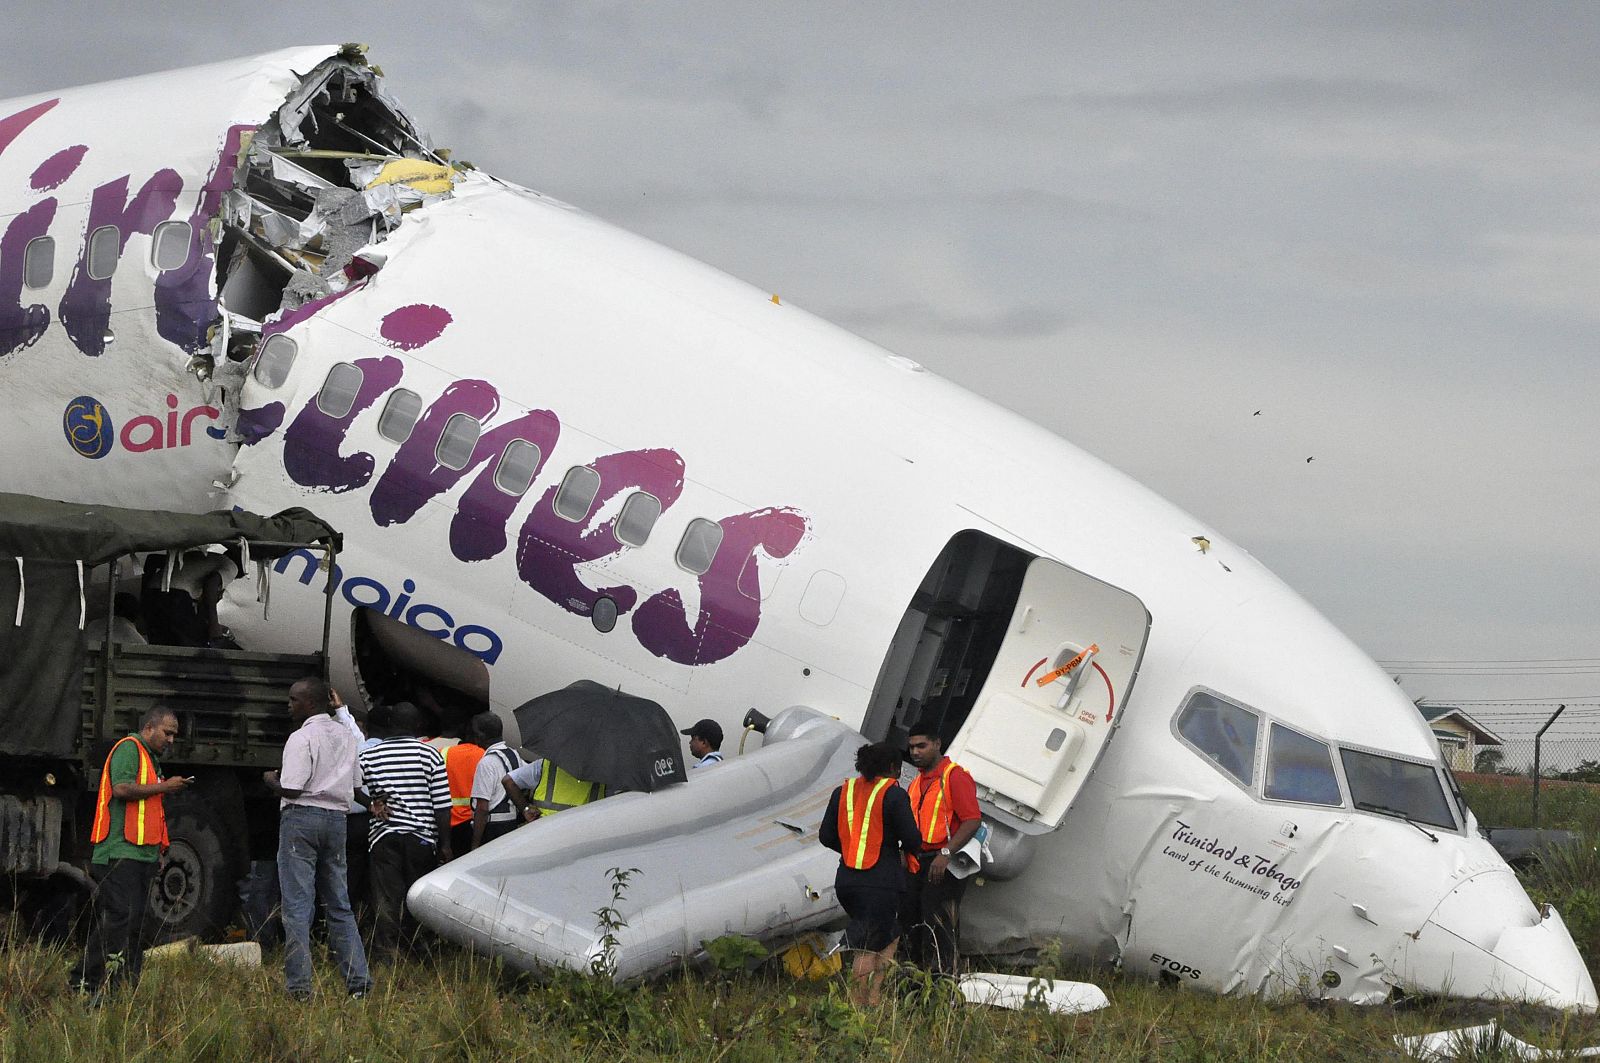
<point>874,913</point>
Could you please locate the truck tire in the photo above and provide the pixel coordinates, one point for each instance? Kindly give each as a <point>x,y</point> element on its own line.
<point>195,893</point>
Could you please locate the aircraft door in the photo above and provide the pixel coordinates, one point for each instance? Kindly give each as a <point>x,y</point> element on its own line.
<point>1053,696</point>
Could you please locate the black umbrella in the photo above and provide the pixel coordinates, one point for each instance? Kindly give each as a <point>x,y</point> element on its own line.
<point>602,735</point>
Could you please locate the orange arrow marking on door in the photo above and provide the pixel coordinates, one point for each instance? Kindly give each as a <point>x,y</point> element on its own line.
<point>1051,677</point>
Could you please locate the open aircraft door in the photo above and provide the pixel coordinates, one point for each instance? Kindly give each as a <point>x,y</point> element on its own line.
<point>1053,696</point>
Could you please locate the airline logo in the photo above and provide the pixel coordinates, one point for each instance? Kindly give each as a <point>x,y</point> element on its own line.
<point>88,426</point>
<point>92,432</point>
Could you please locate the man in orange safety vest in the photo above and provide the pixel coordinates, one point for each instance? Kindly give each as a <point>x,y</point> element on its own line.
<point>129,832</point>
<point>944,800</point>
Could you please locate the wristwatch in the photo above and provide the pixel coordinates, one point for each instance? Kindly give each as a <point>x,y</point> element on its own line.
<point>945,851</point>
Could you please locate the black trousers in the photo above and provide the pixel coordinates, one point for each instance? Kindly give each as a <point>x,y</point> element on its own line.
<point>357,876</point>
<point>115,953</point>
<point>396,861</point>
<point>930,919</point>
<point>461,838</point>
<point>499,829</point>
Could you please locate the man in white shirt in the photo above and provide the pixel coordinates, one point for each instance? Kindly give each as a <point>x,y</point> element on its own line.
<point>492,811</point>
<point>319,777</point>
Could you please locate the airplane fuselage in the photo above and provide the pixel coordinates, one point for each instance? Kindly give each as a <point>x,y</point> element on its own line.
<point>802,484</point>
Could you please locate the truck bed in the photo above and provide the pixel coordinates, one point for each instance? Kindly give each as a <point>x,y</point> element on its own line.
<point>231,704</point>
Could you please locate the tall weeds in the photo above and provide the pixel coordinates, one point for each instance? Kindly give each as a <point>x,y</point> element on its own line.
<point>458,1006</point>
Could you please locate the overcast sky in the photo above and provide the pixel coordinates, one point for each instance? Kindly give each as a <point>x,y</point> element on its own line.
<point>1134,224</point>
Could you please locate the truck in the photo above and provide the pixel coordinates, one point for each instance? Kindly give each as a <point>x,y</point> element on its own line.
<point>69,689</point>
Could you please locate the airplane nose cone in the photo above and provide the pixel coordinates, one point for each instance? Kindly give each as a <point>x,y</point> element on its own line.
<point>1486,939</point>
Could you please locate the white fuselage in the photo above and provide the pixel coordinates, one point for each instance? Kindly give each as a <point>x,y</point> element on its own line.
<point>837,471</point>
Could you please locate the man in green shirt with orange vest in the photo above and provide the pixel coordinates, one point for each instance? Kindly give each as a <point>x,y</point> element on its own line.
<point>129,832</point>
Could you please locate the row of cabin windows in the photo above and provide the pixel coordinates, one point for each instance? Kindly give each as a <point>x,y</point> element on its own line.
<point>516,467</point>
<point>1299,768</point>
<point>169,250</point>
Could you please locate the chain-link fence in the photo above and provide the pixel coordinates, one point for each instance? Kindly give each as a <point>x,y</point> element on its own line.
<point>1525,765</point>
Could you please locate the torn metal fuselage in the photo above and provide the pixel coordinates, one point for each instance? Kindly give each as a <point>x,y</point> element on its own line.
<point>334,171</point>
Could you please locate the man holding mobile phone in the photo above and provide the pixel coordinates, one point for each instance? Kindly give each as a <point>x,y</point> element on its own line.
<point>129,832</point>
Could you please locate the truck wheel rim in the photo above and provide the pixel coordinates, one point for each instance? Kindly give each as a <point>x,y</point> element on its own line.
<point>176,892</point>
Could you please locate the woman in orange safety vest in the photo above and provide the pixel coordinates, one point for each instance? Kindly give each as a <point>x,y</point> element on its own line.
<point>869,824</point>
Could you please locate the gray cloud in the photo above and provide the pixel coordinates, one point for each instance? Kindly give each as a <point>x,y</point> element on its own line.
<point>1276,96</point>
<point>1010,323</point>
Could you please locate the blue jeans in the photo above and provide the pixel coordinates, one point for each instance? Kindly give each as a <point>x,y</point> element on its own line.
<point>311,868</point>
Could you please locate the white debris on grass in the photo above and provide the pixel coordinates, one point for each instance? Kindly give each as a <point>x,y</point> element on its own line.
<point>1018,992</point>
<point>1474,1042</point>
<point>234,953</point>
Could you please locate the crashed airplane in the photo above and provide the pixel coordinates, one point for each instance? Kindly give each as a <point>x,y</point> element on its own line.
<point>560,452</point>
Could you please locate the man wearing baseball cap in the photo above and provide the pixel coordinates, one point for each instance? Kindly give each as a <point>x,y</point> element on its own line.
<point>705,739</point>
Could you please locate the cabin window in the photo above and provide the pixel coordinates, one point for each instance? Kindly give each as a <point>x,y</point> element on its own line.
<point>698,547</point>
<point>1393,787</point>
<point>275,360</point>
<point>457,441</point>
<point>638,516</point>
<point>518,462</point>
<point>105,245</point>
<point>1222,731</point>
<point>39,262</point>
<point>170,246</point>
<point>1299,768</point>
<point>399,415</point>
<point>577,492</point>
<point>338,392</point>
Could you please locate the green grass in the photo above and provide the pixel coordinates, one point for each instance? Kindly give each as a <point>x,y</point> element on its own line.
<point>458,1007</point>
<point>1507,801</point>
<point>461,1007</point>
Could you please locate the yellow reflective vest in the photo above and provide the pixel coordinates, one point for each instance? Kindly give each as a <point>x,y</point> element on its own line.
<point>558,789</point>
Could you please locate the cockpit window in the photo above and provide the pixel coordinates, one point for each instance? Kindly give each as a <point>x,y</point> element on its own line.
<point>1457,798</point>
<point>1400,788</point>
<point>1222,731</point>
<point>1299,768</point>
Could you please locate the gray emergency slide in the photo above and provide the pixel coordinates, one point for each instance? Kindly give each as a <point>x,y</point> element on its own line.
<point>733,851</point>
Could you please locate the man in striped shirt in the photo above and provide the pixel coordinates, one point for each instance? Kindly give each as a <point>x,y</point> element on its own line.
<point>405,783</point>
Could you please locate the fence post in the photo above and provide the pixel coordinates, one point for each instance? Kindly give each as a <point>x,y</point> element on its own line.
<point>1537,740</point>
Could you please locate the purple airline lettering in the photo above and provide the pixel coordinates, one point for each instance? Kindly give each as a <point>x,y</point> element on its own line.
<point>57,168</point>
<point>311,444</point>
<point>478,530</point>
<point>550,547</point>
<point>85,310</point>
<point>12,126</point>
<point>412,326</point>
<point>21,324</point>
<point>255,425</point>
<point>186,306</point>
<point>728,615</point>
